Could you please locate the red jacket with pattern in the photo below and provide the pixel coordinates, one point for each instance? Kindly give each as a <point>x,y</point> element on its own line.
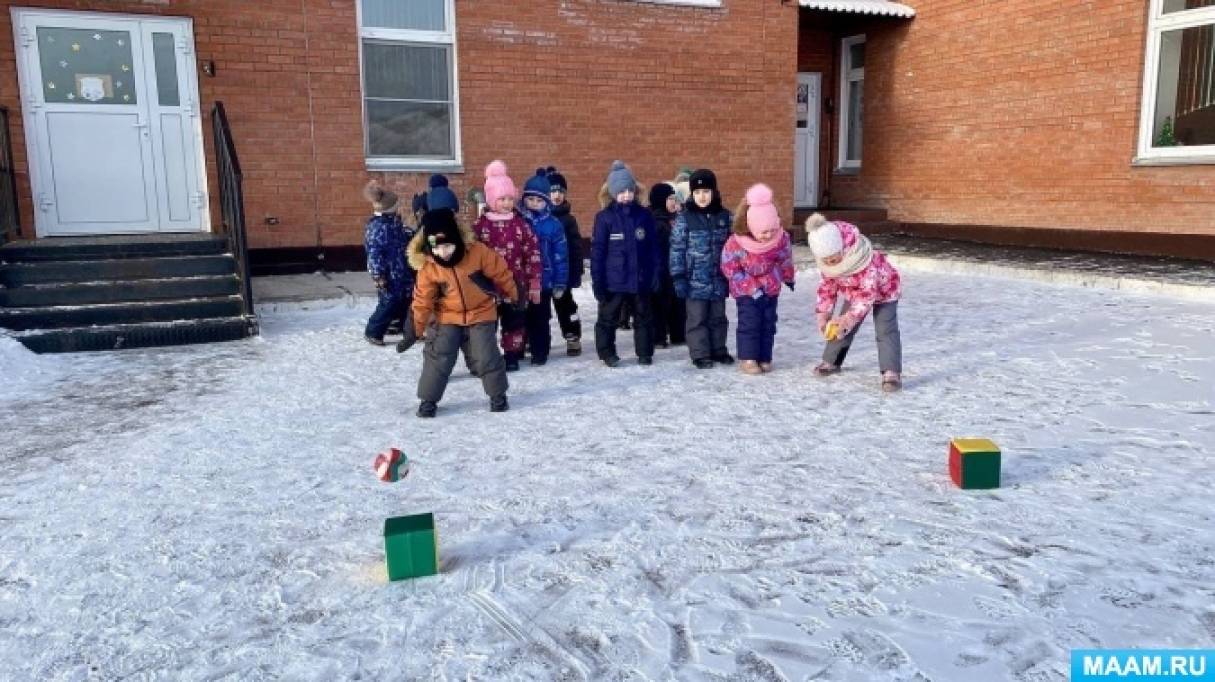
<point>514,240</point>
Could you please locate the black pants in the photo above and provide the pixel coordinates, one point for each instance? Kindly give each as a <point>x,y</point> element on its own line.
<point>670,317</point>
<point>609,317</point>
<point>567,316</point>
<point>707,328</point>
<point>539,336</point>
<point>480,345</point>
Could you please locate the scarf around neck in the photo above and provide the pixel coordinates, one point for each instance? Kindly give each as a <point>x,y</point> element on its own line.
<point>855,259</point>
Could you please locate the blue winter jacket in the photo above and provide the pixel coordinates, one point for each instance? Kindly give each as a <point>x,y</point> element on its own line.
<point>697,240</point>
<point>625,254</point>
<point>385,240</point>
<point>553,249</point>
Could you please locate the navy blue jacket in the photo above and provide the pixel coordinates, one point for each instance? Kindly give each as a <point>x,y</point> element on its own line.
<point>625,254</point>
<point>385,239</point>
<point>695,262</point>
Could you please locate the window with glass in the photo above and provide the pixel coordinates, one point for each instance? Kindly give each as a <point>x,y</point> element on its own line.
<point>852,101</point>
<point>1178,108</point>
<point>409,83</point>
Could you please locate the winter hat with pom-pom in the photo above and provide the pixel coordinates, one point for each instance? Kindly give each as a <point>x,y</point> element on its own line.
<point>620,178</point>
<point>824,237</point>
<point>382,200</point>
<point>440,195</point>
<point>538,184</point>
<point>497,184</point>
<point>556,179</point>
<point>761,213</point>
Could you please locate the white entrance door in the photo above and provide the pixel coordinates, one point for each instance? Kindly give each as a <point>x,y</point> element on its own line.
<point>806,141</point>
<point>112,123</point>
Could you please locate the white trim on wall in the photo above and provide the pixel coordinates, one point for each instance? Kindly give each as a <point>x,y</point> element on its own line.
<point>1160,23</point>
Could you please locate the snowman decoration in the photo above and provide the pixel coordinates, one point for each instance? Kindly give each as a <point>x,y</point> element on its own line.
<point>92,88</point>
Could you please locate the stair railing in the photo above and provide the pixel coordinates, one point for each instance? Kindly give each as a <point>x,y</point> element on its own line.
<point>232,200</point>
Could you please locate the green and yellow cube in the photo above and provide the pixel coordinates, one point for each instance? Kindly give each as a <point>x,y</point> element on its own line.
<point>974,463</point>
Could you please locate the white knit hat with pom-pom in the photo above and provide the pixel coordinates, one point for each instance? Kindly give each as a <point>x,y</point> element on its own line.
<point>824,237</point>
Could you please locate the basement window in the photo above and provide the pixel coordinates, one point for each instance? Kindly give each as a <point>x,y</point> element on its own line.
<point>410,96</point>
<point>1177,115</point>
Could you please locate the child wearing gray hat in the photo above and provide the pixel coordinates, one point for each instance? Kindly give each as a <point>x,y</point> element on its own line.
<point>626,262</point>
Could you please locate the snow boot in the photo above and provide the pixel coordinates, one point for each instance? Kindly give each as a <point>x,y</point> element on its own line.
<point>891,381</point>
<point>703,363</point>
<point>498,404</point>
<point>750,367</point>
<point>723,358</point>
<point>826,369</point>
<point>573,347</point>
<point>427,409</point>
<point>612,361</point>
<point>645,361</point>
<point>512,362</point>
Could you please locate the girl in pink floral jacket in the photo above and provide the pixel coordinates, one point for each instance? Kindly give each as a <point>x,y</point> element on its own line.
<point>757,260</point>
<point>504,230</point>
<point>852,269</point>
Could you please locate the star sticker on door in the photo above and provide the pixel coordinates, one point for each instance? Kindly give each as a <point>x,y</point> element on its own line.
<point>75,47</point>
<point>96,36</point>
<point>126,98</point>
<point>125,68</point>
<point>50,86</point>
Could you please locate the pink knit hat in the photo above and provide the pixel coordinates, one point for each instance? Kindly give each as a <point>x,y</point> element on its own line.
<point>761,214</point>
<point>497,184</point>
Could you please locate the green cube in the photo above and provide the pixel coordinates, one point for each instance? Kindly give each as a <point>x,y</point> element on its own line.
<point>411,546</point>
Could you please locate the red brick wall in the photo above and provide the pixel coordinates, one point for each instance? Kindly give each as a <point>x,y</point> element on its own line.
<point>1022,113</point>
<point>574,83</point>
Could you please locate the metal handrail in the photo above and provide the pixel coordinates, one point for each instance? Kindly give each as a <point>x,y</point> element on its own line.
<point>10,216</point>
<point>232,200</point>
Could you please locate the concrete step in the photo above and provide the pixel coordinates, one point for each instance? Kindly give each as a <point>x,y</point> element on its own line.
<point>58,317</point>
<point>117,337</point>
<point>110,248</point>
<point>80,271</point>
<point>106,291</point>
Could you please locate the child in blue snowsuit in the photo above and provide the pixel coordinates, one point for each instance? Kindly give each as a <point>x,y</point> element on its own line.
<point>385,239</point>
<point>554,252</point>
<point>626,264</point>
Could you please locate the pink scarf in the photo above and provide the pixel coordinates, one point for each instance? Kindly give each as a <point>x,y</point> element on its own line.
<point>752,245</point>
<point>494,215</point>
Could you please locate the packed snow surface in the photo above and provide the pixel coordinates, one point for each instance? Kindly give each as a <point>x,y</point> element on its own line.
<point>211,512</point>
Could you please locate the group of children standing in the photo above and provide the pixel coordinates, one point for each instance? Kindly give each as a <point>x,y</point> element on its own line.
<point>670,266</point>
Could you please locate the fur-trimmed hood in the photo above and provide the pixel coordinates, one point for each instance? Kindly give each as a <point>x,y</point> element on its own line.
<point>418,256</point>
<point>606,198</point>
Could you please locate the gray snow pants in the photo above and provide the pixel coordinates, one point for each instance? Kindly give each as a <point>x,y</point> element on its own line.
<point>707,328</point>
<point>480,345</point>
<point>889,343</point>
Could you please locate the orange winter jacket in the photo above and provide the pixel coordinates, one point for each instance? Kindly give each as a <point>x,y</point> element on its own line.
<point>448,294</point>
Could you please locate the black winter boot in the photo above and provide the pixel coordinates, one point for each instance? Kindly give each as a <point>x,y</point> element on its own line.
<point>498,404</point>
<point>512,362</point>
<point>724,358</point>
<point>427,409</point>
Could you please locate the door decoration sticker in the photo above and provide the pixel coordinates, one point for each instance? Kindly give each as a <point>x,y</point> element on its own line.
<point>82,66</point>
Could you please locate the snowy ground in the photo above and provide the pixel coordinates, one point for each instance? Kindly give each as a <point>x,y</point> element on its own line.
<point>210,512</point>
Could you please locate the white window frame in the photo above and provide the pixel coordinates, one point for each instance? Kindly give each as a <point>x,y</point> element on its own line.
<point>447,38</point>
<point>848,75</point>
<point>1158,24</point>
